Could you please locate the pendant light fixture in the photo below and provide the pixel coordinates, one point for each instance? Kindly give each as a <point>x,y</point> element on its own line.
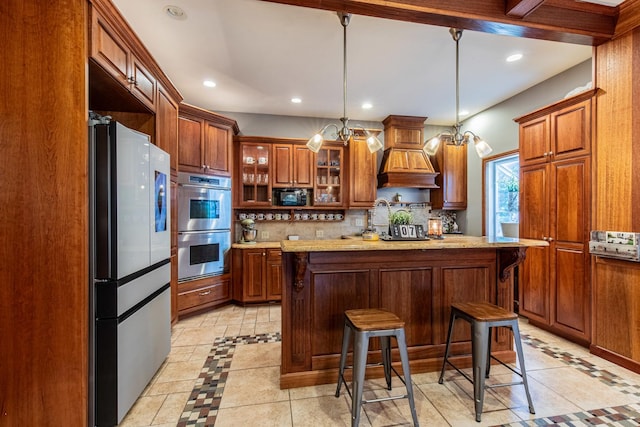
<point>345,133</point>
<point>455,136</point>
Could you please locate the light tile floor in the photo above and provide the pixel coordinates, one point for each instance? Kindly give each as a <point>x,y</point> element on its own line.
<point>564,379</point>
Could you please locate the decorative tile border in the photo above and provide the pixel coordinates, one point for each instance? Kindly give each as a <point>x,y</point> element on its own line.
<point>618,416</point>
<point>583,366</point>
<point>203,404</point>
<point>202,407</point>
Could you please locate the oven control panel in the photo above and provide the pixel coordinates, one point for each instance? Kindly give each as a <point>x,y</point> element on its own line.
<point>615,244</point>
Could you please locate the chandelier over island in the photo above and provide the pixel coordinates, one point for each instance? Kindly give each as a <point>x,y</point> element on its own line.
<point>345,133</point>
<point>455,136</point>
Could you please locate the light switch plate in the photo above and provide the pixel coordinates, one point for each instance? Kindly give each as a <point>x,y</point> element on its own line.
<point>264,235</point>
<point>359,222</point>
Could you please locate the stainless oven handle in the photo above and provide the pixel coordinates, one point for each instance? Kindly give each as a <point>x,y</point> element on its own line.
<point>204,187</point>
<point>220,230</point>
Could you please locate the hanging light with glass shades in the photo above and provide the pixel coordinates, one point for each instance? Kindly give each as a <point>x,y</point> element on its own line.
<point>455,136</point>
<point>345,133</point>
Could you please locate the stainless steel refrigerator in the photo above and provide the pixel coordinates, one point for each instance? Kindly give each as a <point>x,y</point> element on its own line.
<point>130,310</point>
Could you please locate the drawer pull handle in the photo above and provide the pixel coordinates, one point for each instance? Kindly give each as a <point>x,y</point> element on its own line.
<point>202,294</point>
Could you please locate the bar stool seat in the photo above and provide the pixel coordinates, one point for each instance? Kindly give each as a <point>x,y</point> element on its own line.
<point>365,324</point>
<point>483,316</point>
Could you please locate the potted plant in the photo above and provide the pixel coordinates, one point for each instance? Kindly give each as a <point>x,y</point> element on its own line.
<point>401,217</point>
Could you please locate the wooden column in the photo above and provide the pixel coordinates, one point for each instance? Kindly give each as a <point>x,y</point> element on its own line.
<point>43,206</point>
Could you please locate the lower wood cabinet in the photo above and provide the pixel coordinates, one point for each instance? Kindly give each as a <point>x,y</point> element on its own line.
<point>616,293</point>
<point>205,293</point>
<point>555,281</point>
<point>257,275</point>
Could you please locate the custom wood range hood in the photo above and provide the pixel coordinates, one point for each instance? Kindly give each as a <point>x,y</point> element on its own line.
<point>404,164</point>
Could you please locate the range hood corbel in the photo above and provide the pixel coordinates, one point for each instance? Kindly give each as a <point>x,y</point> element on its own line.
<point>404,164</point>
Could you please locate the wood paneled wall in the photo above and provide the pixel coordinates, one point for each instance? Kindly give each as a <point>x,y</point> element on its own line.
<point>43,211</point>
<point>617,152</point>
<point>616,198</point>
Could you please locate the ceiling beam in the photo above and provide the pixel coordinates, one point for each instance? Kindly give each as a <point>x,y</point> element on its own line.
<point>558,20</point>
<point>522,8</point>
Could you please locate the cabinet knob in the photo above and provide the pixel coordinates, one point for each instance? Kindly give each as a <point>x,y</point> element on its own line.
<point>131,80</point>
<point>550,239</point>
<point>264,254</point>
<point>551,153</point>
<point>544,238</point>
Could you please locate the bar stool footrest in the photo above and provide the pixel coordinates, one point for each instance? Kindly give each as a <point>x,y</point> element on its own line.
<point>383,399</point>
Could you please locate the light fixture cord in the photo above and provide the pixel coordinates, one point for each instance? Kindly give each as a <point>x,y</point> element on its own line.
<point>456,37</point>
<point>344,19</point>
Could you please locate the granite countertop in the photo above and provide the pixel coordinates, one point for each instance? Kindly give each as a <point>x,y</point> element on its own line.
<point>449,242</point>
<point>257,245</point>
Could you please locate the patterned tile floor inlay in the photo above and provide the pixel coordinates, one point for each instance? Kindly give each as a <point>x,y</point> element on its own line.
<point>203,404</point>
<point>583,366</point>
<point>202,407</point>
<point>618,416</point>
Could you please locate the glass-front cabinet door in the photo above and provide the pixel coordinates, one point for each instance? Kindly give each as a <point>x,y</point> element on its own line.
<point>255,168</point>
<point>329,177</point>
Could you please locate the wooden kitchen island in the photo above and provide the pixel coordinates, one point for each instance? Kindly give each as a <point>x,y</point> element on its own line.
<point>417,280</point>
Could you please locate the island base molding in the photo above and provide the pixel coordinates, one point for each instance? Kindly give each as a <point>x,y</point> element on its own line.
<point>419,286</point>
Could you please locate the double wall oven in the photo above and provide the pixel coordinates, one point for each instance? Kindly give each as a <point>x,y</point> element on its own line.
<point>204,225</point>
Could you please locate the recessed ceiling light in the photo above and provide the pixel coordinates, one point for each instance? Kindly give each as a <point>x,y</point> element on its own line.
<point>514,57</point>
<point>175,12</point>
<point>296,100</point>
<point>209,83</point>
<point>367,106</point>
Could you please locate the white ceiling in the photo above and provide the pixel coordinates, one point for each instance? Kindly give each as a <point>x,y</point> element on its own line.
<point>262,54</point>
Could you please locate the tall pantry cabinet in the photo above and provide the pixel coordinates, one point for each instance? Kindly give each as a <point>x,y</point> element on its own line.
<point>555,205</point>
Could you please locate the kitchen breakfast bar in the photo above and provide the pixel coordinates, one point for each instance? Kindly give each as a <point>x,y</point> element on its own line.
<point>416,280</point>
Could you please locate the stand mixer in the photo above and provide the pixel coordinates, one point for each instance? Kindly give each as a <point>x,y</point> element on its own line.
<point>249,232</point>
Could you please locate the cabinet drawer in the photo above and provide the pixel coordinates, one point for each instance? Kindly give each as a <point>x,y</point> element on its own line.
<point>204,295</point>
<point>274,255</point>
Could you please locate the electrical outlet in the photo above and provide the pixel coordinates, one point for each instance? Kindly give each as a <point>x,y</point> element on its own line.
<point>264,235</point>
<point>359,222</point>
<point>319,233</point>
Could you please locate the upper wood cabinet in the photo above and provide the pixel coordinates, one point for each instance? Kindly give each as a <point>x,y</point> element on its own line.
<point>254,174</point>
<point>116,56</point>
<point>167,125</point>
<point>556,132</point>
<point>329,177</point>
<point>451,161</point>
<point>292,166</point>
<point>363,167</point>
<point>205,141</point>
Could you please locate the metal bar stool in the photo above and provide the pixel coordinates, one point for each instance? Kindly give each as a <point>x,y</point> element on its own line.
<point>483,316</point>
<point>365,324</point>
